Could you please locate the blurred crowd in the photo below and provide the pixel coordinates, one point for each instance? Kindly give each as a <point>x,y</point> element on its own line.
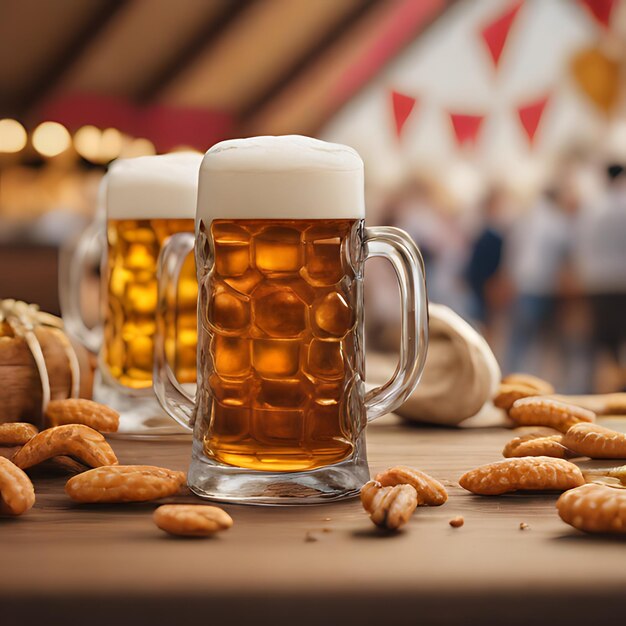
<point>544,281</point>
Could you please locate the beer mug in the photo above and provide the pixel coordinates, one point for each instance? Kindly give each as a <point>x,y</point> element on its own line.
<point>143,202</point>
<point>280,244</point>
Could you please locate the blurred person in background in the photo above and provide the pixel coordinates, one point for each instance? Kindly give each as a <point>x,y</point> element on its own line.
<point>436,229</point>
<point>538,255</point>
<point>415,207</point>
<point>483,273</point>
<point>601,264</point>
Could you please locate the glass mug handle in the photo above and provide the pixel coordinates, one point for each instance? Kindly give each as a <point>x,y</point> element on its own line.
<point>400,250</point>
<point>71,267</point>
<point>172,396</point>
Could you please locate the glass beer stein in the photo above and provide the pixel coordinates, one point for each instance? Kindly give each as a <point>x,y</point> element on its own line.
<point>280,244</point>
<point>145,201</point>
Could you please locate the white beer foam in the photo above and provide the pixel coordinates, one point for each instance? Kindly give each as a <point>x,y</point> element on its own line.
<point>153,187</point>
<point>286,177</point>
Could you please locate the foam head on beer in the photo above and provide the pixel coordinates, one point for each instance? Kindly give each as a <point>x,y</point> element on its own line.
<point>153,187</point>
<point>284,177</point>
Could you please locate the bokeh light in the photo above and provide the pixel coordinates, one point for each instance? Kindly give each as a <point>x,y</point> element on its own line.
<point>87,142</point>
<point>111,143</point>
<point>138,147</point>
<point>51,139</point>
<point>13,136</point>
<point>185,148</point>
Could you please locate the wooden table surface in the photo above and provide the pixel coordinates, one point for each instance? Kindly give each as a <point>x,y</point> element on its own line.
<point>70,564</point>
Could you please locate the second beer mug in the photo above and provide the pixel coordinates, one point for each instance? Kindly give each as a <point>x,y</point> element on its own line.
<point>144,201</point>
<point>280,247</point>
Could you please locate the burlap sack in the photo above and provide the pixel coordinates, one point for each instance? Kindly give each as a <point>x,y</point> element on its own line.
<point>20,384</point>
<point>461,372</point>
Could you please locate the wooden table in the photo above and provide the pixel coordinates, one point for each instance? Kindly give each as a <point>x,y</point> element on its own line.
<point>94,565</point>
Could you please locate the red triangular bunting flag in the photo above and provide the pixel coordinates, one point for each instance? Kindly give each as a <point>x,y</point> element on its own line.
<point>496,33</point>
<point>530,116</point>
<point>466,127</point>
<point>600,9</point>
<point>402,107</point>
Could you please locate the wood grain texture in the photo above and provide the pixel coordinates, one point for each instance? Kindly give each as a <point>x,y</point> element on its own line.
<point>64,560</point>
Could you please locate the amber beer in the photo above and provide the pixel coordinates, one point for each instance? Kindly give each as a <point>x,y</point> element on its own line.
<point>279,322</point>
<point>131,298</point>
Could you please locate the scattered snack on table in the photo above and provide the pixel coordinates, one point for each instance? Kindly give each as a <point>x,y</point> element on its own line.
<point>16,433</point>
<point>539,411</point>
<point>595,441</point>
<point>17,494</point>
<point>81,411</point>
<point>62,465</point>
<point>594,508</point>
<point>389,507</point>
<point>430,492</point>
<point>614,475</point>
<point>542,387</point>
<point>75,440</point>
<point>124,483</point>
<point>457,522</point>
<point>509,393</point>
<point>535,444</point>
<point>192,520</point>
<point>599,403</point>
<point>530,473</point>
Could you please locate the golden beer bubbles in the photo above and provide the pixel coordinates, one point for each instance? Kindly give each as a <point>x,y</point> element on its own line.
<point>278,343</point>
<point>130,323</point>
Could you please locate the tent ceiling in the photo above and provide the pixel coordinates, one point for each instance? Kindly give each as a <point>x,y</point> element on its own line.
<point>258,61</point>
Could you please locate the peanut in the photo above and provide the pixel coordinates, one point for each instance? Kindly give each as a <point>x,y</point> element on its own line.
<point>81,411</point>
<point>124,483</point>
<point>594,508</point>
<point>529,473</point>
<point>596,441</point>
<point>537,411</point>
<point>599,403</point>
<point>509,393</point>
<point>430,492</point>
<point>537,445</point>
<point>16,433</point>
<point>17,494</point>
<point>615,404</point>
<point>75,440</point>
<point>613,475</point>
<point>457,522</point>
<point>63,465</point>
<point>191,520</point>
<point>389,507</point>
<point>542,387</point>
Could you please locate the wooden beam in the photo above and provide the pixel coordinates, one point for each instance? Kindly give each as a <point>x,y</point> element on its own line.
<point>60,63</point>
<point>301,64</point>
<point>387,46</point>
<point>343,68</point>
<point>206,37</point>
